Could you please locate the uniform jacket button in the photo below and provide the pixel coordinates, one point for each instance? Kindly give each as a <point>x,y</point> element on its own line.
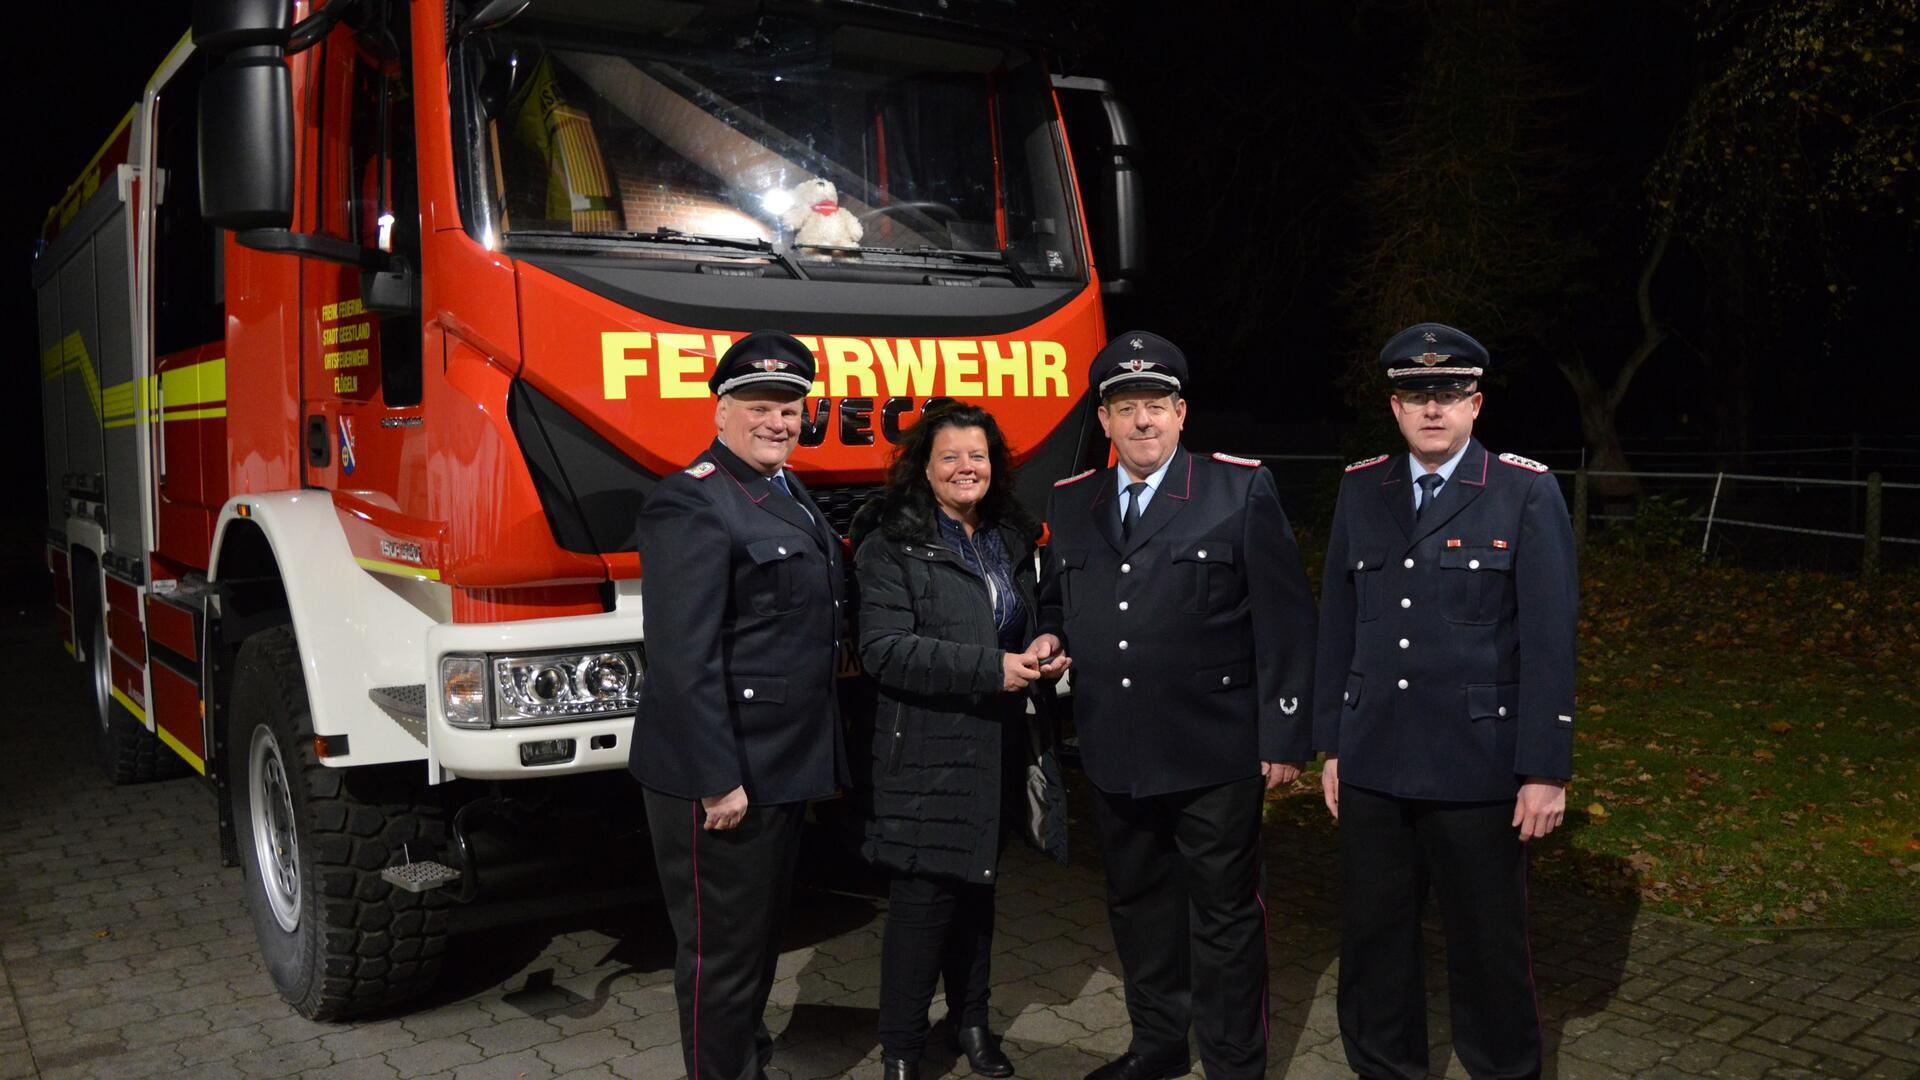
<point>1126,684</point>
<point>1126,568</point>
<point>1406,601</point>
<point>1201,553</point>
<point>1226,680</point>
<point>1361,565</point>
<point>1503,710</point>
<point>1408,564</point>
<point>1123,605</point>
<point>747,693</point>
<point>1403,684</point>
<point>1404,643</point>
<point>1345,696</point>
<point>783,551</point>
<point>1473,564</point>
<point>1123,645</point>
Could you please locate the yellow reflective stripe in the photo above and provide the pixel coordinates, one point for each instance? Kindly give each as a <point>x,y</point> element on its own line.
<point>426,573</point>
<point>191,758</point>
<point>139,713</point>
<point>86,179</point>
<point>203,384</point>
<point>185,42</point>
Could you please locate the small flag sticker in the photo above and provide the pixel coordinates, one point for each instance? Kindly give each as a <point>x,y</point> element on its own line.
<point>1501,544</point>
<point>1453,543</point>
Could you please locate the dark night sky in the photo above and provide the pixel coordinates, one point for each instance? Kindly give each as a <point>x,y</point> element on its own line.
<point>1266,115</point>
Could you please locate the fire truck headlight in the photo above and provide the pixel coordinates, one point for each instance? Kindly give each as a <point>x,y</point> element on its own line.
<point>565,686</point>
<point>463,690</point>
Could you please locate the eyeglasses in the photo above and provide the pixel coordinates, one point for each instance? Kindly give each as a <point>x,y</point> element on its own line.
<point>1417,399</point>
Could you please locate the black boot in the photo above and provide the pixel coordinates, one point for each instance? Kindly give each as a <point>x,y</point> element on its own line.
<point>983,1051</point>
<point>901,1069</point>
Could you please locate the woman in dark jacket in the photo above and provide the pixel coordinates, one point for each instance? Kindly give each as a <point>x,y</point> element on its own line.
<point>946,614</point>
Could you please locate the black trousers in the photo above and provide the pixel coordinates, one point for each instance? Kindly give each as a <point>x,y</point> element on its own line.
<point>727,894</point>
<point>1392,851</point>
<point>937,928</point>
<point>1183,894</point>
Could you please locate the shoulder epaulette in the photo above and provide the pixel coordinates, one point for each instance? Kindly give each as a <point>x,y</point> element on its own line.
<point>1075,478</point>
<point>1525,463</point>
<point>1368,463</point>
<point>1244,462</point>
<point>699,470</point>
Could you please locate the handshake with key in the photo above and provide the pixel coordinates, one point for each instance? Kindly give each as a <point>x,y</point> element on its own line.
<point>1042,660</point>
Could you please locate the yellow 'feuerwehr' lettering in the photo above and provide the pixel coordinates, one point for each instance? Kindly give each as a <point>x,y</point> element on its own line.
<point>908,370</point>
<point>617,365</point>
<point>1049,369</point>
<point>348,359</point>
<point>683,368</point>
<point>961,362</point>
<point>849,367</point>
<point>849,360</point>
<point>1005,367</point>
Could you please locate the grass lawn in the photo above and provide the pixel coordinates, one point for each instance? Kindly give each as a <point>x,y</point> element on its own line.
<point>1749,747</point>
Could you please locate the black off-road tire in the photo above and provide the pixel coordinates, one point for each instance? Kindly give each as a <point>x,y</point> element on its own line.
<point>312,849</point>
<point>127,751</point>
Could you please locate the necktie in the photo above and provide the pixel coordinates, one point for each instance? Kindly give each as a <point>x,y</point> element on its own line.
<point>1429,486</point>
<point>1132,516</point>
<point>779,480</point>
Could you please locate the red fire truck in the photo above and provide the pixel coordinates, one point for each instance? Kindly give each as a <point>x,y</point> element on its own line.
<point>369,328</point>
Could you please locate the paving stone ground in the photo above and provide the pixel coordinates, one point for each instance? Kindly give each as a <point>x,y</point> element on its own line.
<point>126,951</point>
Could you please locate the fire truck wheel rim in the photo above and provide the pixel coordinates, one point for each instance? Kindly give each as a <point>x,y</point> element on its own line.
<point>102,676</point>
<point>276,846</point>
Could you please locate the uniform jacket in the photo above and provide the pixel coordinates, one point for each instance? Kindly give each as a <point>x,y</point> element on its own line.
<point>1192,642</point>
<point>740,593</point>
<point>940,753</point>
<point>1447,649</point>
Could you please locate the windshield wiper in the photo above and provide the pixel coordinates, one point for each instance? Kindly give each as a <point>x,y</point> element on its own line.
<point>1002,259</point>
<point>670,238</point>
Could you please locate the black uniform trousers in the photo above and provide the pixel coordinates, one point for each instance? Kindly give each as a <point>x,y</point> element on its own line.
<point>727,893</point>
<point>1392,850</point>
<point>1183,894</point>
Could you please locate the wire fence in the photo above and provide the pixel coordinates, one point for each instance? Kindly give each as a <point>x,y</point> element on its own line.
<point>1746,517</point>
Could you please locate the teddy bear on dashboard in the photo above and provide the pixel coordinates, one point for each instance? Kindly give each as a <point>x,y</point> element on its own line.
<point>817,219</point>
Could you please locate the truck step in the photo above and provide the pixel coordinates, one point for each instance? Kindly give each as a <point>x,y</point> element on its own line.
<point>421,876</point>
<point>406,705</point>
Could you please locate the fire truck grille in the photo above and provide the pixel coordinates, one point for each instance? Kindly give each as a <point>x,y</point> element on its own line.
<point>841,503</point>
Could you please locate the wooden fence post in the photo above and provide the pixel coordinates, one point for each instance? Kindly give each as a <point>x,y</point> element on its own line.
<point>1870,556</point>
<point>1580,507</point>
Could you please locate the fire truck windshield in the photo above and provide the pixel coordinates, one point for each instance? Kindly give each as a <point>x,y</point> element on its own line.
<point>629,127</point>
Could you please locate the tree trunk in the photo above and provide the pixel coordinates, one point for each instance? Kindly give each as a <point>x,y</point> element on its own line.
<point>1598,407</point>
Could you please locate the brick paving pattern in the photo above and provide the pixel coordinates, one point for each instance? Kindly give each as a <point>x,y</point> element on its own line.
<point>126,951</point>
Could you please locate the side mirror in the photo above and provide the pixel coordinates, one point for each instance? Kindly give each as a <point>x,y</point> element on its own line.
<point>246,113</point>
<point>491,14</point>
<point>1105,141</point>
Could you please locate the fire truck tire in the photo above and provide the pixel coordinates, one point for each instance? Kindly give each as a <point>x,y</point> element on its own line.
<point>337,939</point>
<point>128,752</point>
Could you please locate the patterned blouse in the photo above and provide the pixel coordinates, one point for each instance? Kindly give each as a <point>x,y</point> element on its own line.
<point>985,554</point>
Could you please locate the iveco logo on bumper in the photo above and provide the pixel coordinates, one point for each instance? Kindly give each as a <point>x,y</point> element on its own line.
<point>401,550</point>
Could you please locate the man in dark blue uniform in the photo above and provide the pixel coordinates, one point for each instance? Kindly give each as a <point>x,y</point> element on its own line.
<point>1445,706</point>
<point>737,729</point>
<point>1174,582</point>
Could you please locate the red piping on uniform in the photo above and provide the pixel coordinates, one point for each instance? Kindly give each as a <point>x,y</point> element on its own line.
<point>1482,482</point>
<point>744,491</point>
<point>1183,497</point>
<point>696,932</point>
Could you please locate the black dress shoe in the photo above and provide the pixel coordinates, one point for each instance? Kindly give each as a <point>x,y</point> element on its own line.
<point>1131,1066</point>
<point>983,1051</point>
<point>901,1069</point>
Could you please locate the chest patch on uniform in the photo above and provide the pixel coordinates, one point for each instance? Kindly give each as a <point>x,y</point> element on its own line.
<point>1241,461</point>
<point>700,471</point>
<point>1075,478</point>
<point>1368,463</point>
<point>1525,463</point>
